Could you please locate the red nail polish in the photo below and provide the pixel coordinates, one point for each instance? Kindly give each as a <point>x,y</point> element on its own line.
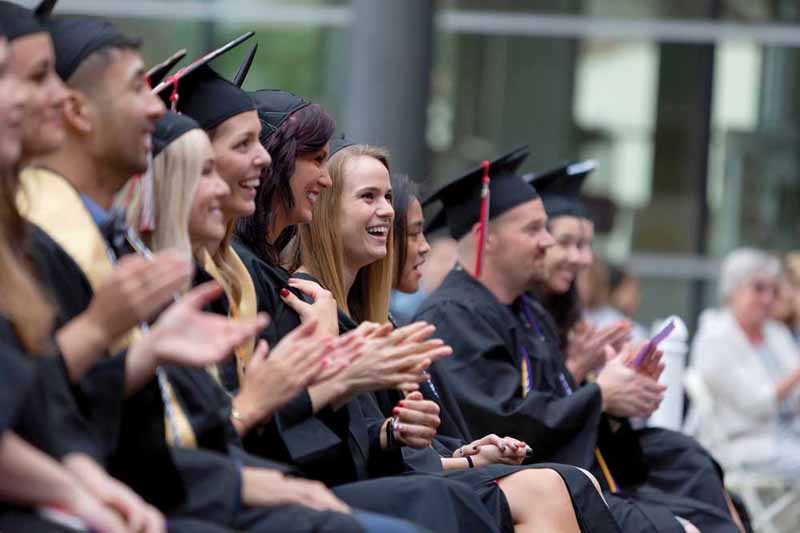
<point>284,293</point>
<point>396,411</point>
<point>401,403</point>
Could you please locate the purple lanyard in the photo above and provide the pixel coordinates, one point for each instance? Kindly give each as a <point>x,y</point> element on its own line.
<point>535,327</point>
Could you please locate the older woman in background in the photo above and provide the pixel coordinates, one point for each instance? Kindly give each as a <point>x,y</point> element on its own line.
<point>751,367</point>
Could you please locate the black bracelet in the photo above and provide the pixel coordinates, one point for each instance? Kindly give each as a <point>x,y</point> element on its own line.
<point>469,461</point>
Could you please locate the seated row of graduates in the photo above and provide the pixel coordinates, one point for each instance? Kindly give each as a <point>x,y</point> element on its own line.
<point>123,406</point>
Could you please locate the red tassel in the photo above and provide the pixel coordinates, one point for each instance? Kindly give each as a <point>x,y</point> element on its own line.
<point>484,217</point>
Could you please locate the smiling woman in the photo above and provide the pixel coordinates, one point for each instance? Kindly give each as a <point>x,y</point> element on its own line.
<point>352,220</point>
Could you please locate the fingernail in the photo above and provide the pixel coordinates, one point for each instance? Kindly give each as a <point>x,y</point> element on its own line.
<point>401,403</point>
<point>396,410</point>
<point>284,293</point>
<point>475,448</point>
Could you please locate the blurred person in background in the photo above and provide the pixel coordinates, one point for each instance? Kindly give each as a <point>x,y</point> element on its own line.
<point>610,293</point>
<point>750,365</point>
<point>787,306</point>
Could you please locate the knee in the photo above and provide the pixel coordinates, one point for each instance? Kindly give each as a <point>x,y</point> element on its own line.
<point>545,483</point>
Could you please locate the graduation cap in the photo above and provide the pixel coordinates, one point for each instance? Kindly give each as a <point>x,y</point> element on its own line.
<point>18,21</point>
<point>76,38</point>
<point>461,197</point>
<point>340,143</point>
<point>274,107</point>
<point>169,128</point>
<point>198,91</point>
<point>560,188</point>
<point>158,72</point>
<point>244,68</point>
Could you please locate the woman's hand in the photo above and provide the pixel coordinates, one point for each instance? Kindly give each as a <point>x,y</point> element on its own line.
<point>272,378</point>
<point>416,421</point>
<point>586,346</point>
<point>390,360</point>
<point>650,364</point>
<point>323,307</point>
<point>184,335</point>
<point>492,449</point>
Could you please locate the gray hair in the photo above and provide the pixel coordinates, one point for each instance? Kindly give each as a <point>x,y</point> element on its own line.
<point>741,265</point>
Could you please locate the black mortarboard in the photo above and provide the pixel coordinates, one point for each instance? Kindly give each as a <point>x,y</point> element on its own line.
<point>461,197</point>
<point>169,127</point>
<point>76,38</point>
<point>274,107</point>
<point>18,21</point>
<point>244,68</point>
<point>203,94</point>
<point>560,188</point>
<point>158,72</point>
<point>340,143</point>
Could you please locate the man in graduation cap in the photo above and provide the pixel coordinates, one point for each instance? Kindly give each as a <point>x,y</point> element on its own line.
<point>669,462</point>
<point>502,375</point>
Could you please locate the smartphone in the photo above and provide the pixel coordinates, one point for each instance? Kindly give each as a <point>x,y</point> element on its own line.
<point>654,342</point>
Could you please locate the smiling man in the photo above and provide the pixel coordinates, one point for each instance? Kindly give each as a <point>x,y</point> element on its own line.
<point>109,115</point>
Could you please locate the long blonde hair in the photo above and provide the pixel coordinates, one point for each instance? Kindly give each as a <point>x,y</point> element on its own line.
<point>176,172</point>
<point>318,246</point>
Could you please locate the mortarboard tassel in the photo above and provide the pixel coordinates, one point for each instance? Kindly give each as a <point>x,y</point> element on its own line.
<point>484,218</point>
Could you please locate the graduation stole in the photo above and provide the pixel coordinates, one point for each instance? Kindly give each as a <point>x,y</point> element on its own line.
<point>246,307</point>
<point>52,203</point>
<point>527,385</point>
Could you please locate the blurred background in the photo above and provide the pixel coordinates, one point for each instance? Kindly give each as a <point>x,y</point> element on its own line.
<point>690,107</point>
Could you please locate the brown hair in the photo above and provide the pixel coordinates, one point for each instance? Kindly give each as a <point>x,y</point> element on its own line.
<point>318,246</point>
<point>21,299</point>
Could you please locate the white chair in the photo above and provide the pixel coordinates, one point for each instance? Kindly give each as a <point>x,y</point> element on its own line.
<point>757,490</point>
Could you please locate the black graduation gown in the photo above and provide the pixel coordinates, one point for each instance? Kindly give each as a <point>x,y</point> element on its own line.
<point>484,379</point>
<point>38,405</point>
<point>192,487</point>
<point>341,448</point>
<point>591,511</point>
<point>129,432</point>
<point>673,469</point>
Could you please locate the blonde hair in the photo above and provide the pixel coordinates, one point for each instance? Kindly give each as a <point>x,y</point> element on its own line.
<point>318,246</point>
<point>230,281</point>
<point>176,173</point>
